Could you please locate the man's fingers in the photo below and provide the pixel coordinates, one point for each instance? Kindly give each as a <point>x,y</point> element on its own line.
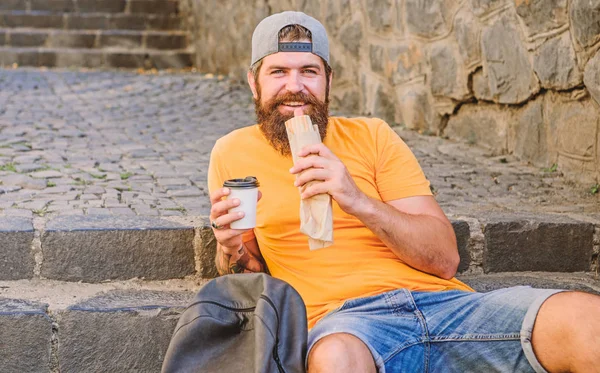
<point>227,219</point>
<point>314,189</point>
<point>218,194</point>
<point>319,149</point>
<point>312,174</point>
<point>308,162</point>
<point>223,207</point>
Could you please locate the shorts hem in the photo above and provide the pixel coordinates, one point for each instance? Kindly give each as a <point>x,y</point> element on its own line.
<point>379,363</point>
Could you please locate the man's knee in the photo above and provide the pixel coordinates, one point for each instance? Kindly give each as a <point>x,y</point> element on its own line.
<point>340,352</point>
<point>565,330</point>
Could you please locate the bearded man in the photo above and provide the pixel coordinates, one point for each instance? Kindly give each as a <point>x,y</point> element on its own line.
<point>383,297</point>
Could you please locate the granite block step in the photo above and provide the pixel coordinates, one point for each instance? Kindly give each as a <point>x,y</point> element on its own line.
<point>48,326</point>
<point>25,336</point>
<point>90,21</point>
<point>93,6</point>
<point>102,39</point>
<point>98,248</point>
<point>96,58</point>
<point>95,248</point>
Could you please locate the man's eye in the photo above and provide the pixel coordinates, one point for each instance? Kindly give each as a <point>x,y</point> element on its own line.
<point>276,72</point>
<point>309,71</point>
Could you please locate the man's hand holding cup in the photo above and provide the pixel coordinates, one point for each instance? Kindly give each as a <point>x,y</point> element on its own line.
<point>233,212</point>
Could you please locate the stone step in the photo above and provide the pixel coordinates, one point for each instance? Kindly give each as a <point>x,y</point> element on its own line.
<point>93,6</point>
<point>90,21</point>
<point>97,248</point>
<point>96,58</point>
<point>116,327</point>
<point>103,39</point>
<point>127,326</point>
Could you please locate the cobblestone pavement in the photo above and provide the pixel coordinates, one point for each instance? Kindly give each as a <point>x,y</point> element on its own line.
<point>123,143</point>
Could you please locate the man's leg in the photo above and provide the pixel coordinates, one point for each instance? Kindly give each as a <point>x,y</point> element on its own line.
<point>340,353</point>
<point>566,333</point>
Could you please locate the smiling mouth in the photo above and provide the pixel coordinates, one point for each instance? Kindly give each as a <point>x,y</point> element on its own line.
<point>294,104</point>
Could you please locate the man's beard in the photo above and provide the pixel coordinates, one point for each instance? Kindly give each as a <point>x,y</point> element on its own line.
<point>272,122</point>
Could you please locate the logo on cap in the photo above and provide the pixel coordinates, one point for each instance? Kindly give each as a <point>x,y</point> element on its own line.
<point>295,47</point>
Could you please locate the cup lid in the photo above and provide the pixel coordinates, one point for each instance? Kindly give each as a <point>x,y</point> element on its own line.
<point>247,182</point>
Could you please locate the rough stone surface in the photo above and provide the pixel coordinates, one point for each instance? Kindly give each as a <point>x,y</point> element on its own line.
<point>543,16</point>
<point>468,33</point>
<point>543,243</point>
<point>125,331</point>
<point>555,64</point>
<point>206,257</point>
<point>448,76</point>
<point>511,77</point>
<point>573,121</point>
<point>528,138</point>
<point>591,77</point>
<point>482,124</point>
<point>25,336</point>
<point>428,18</point>
<point>585,21</point>
<point>463,233</point>
<point>16,257</point>
<point>96,248</point>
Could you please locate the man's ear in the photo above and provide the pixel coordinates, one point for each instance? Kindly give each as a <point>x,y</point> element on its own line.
<point>252,84</point>
<point>330,80</point>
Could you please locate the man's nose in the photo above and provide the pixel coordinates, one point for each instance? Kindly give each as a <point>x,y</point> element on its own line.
<point>294,83</point>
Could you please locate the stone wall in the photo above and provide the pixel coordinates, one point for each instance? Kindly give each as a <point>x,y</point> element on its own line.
<point>517,76</point>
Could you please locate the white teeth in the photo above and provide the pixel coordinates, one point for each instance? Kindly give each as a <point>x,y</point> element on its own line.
<point>293,103</point>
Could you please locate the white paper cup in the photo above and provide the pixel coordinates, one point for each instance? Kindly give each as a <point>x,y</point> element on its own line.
<point>246,190</point>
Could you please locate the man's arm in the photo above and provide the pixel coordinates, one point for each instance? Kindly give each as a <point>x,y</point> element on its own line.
<point>414,228</point>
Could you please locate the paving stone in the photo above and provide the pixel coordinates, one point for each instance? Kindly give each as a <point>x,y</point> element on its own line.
<point>46,174</point>
<point>187,192</point>
<point>122,211</point>
<point>96,248</point>
<point>26,331</point>
<point>33,205</point>
<point>18,212</point>
<point>16,258</point>
<point>98,211</point>
<point>540,243</point>
<point>23,181</point>
<point>92,332</point>
<point>28,167</point>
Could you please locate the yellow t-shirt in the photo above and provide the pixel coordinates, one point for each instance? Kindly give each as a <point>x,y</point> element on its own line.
<point>358,264</point>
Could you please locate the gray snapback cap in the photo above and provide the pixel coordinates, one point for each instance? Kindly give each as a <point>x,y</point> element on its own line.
<point>265,39</point>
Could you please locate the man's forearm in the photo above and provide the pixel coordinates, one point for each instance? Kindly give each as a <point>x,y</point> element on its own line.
<point>222,261</point>
<point>244,259</point>
<point>424,242</point>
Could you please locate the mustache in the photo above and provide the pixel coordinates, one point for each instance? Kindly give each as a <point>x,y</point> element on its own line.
<point>293,97</point>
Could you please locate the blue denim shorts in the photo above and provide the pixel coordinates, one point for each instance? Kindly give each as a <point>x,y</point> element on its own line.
<point>449,331</point>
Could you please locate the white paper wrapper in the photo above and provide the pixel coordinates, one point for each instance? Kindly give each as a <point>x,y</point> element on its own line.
<point>316,217</point>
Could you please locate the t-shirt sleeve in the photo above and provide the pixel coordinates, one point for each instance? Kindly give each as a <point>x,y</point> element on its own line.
<point>397,171</point>
<point>217,174</point>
